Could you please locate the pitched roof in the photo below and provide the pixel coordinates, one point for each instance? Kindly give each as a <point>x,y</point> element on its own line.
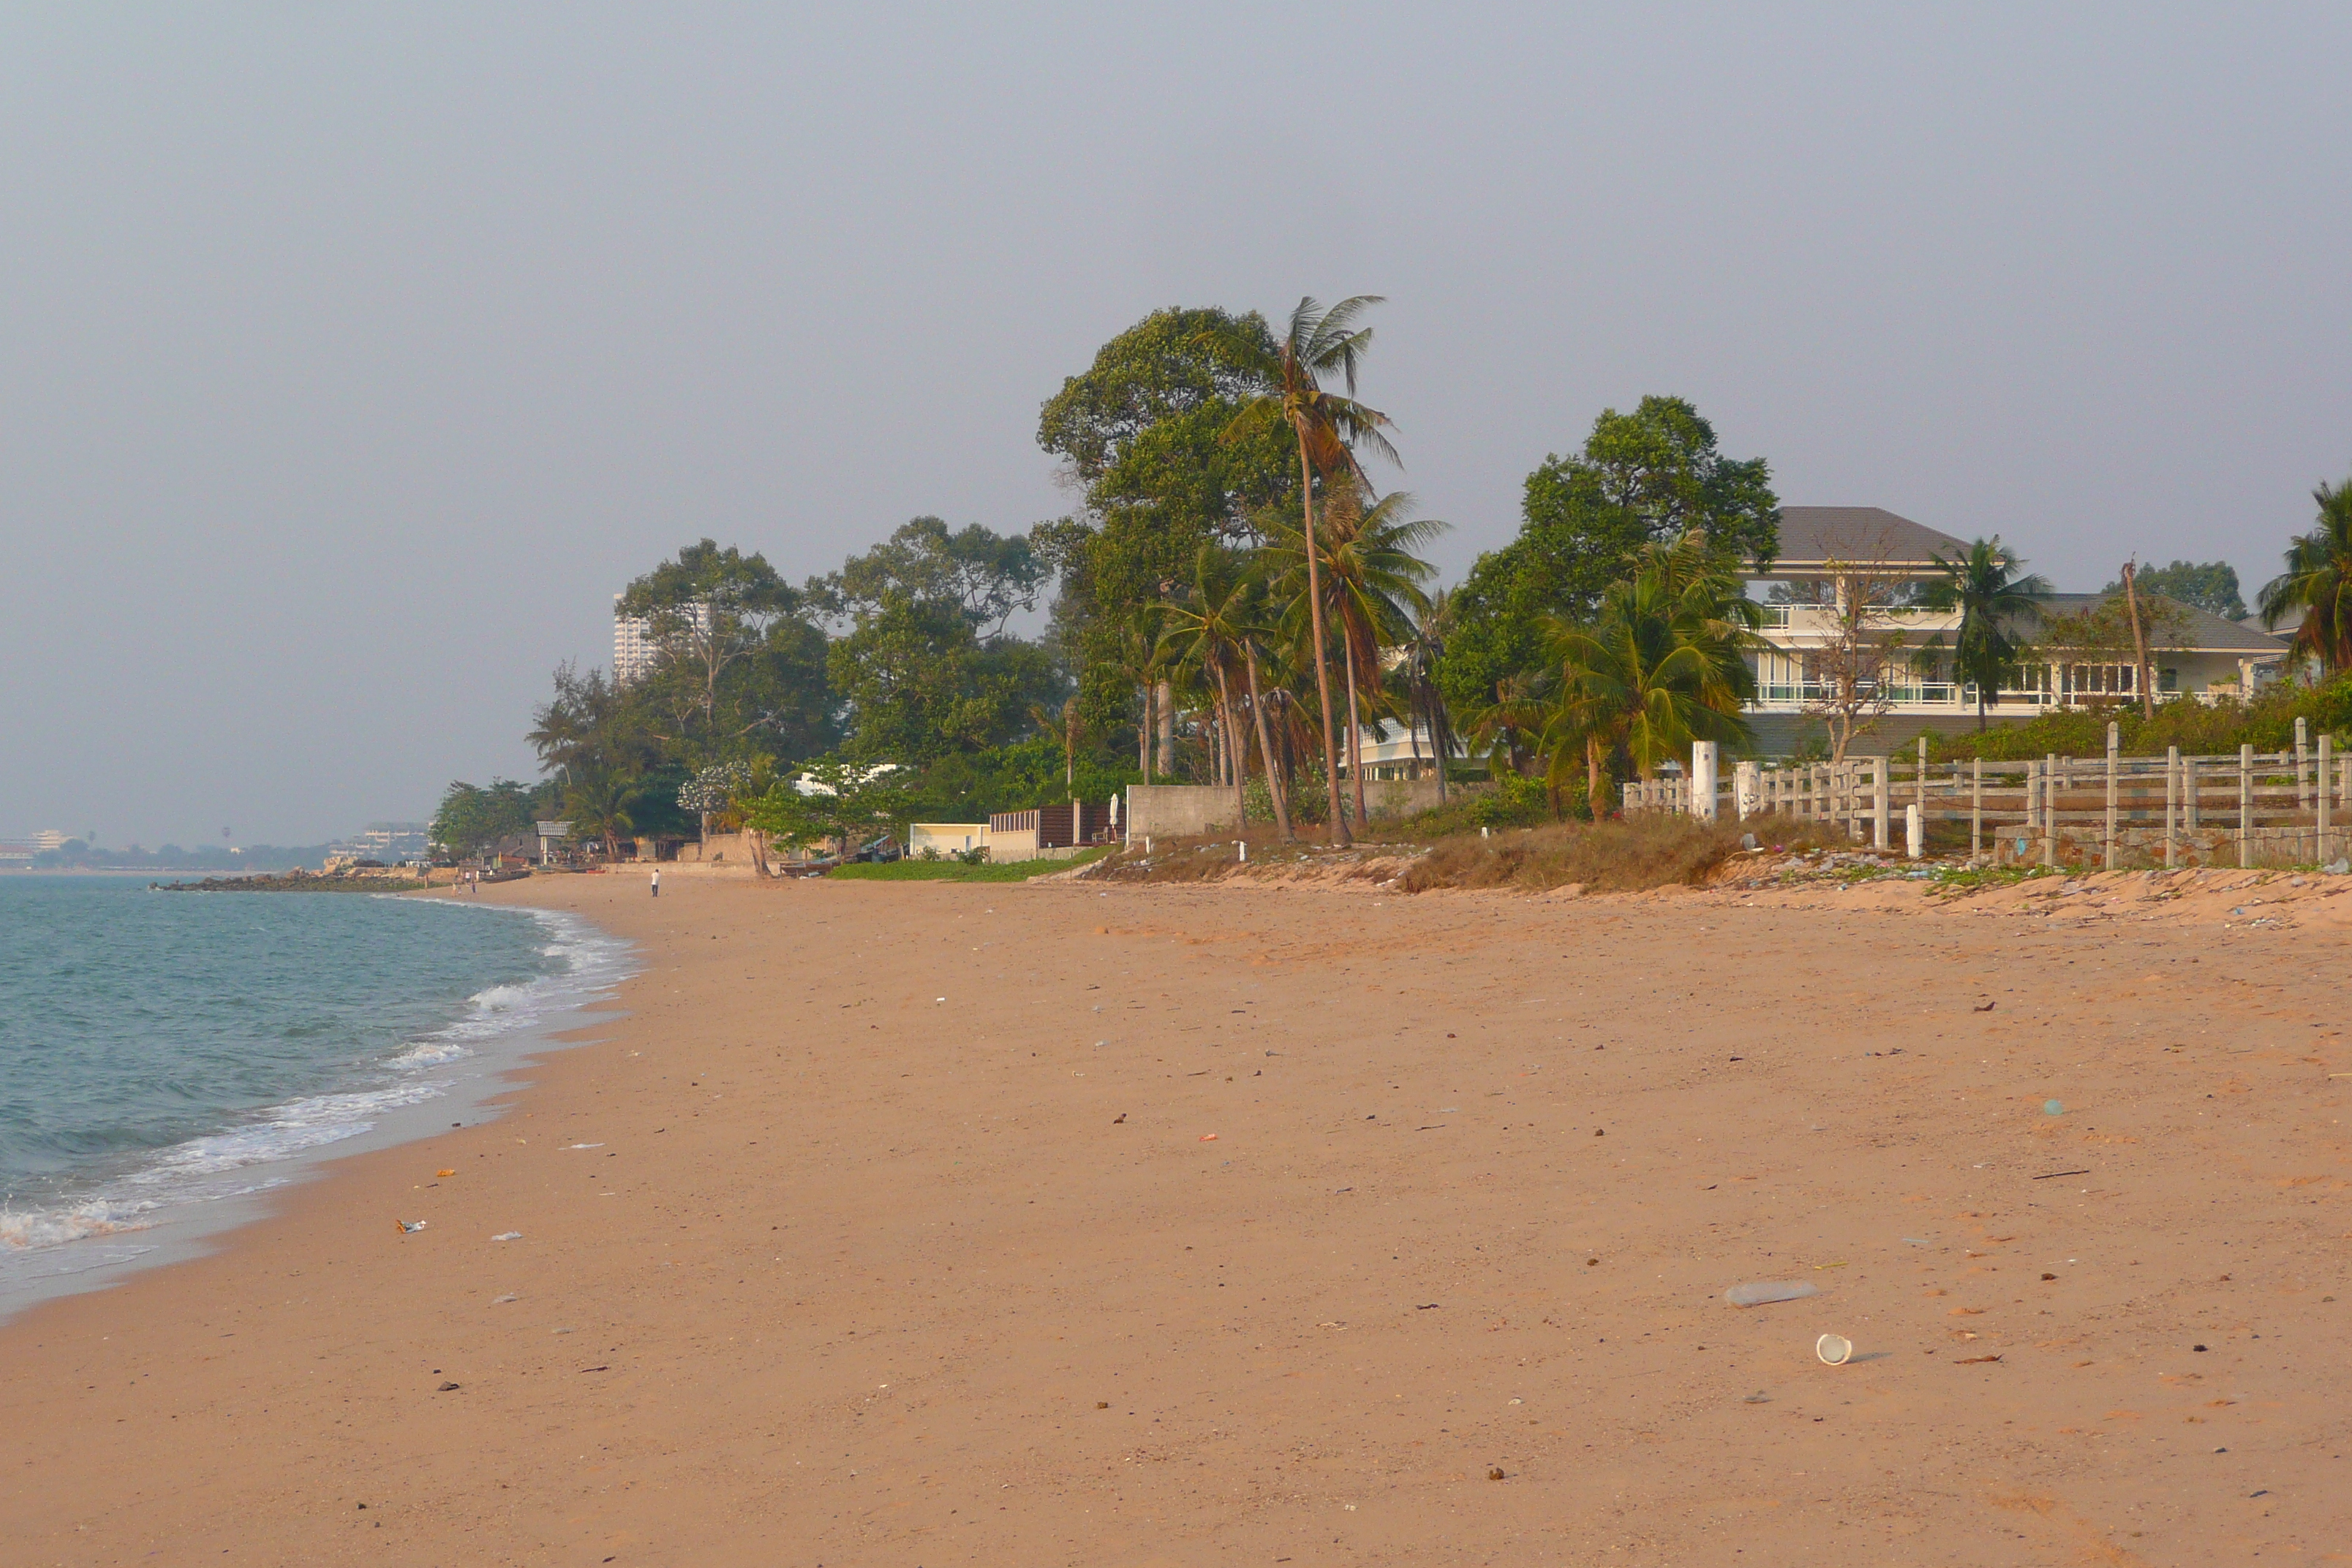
<point>1811,535</point>
<point>2202,631</point>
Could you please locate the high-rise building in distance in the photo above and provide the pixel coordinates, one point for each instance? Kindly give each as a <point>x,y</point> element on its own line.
<point>635,649</point>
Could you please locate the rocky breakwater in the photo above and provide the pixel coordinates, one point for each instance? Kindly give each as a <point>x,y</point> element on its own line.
<point>371,879</point>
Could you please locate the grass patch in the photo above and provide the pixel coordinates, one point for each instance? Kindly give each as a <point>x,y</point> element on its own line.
<point>1625,855</point>
<point>956,872</point>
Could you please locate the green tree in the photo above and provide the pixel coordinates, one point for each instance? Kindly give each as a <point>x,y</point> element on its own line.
<point>1423,647</point>
<point>1327,426</point>
<point>597,802</point>
<point>472,819</point>
<point>2318,581</point>
<point>1208,627</point>
<point>709,609</point>
<point>1142,435</point>
<point>832,800</point>
<point>1995,600</point>
<point>990,576</point>
<point>920,683</point>
<point>1647,477</point>
<point>1660,668</point>
<point>1372,581</point>
<point>2208,586</point>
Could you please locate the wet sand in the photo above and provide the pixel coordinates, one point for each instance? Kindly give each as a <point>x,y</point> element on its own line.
<point>924,1225</point>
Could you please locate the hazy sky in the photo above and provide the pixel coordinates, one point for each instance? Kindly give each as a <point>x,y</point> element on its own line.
<point>351,357</point>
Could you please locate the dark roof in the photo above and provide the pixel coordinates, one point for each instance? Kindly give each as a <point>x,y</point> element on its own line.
<point>1811,535</point>
<point>2201,630</point>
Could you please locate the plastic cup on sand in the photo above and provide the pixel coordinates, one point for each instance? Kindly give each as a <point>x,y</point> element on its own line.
<point>1833,1348</point>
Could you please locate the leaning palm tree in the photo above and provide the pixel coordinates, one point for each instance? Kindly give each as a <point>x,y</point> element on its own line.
<point>1328,425</point>
<point>1982,584</point>
<point>1371,582</point>
<point>2318,581</point>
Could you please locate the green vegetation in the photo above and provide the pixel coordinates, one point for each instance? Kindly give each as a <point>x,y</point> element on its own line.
<point>2267,724</point>
<point>958,871</point>
<point>1233,602</point>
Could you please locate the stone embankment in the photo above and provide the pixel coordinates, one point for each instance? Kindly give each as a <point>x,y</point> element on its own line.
<point>301,881</point>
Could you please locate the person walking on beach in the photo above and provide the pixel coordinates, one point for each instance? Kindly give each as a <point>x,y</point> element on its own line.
<point>657,881</point>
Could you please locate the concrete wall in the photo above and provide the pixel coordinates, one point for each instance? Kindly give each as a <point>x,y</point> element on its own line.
<point>1175,811</point>
<point>1402,797</point>
<point>721,848</point>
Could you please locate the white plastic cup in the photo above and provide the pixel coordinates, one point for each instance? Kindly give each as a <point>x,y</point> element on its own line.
<point>1833,1348</point>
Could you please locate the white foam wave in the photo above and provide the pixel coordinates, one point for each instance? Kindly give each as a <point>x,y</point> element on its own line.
<point>191,1171</point>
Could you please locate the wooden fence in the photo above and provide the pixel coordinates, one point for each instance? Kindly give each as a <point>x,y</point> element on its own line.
<point>2250,808</point>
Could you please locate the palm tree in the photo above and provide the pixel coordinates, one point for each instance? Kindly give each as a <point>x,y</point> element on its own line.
<point>598,800</point>
<point>1319,343</point>
<point>2318,581</point>
<point>1206,628</point>
<point>1660,669</point>
<point>1424,647</point>
<point>1982,584</point>
<point>1373,580</point>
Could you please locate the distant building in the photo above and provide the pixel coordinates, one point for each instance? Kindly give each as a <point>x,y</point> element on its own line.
<point>49,838</point>
<point>635,650</point>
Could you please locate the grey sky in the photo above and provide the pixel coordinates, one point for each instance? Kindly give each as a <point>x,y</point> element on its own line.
<point>351,358</point>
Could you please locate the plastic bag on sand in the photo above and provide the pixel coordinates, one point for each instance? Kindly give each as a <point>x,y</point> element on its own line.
<point>1760,1295</point>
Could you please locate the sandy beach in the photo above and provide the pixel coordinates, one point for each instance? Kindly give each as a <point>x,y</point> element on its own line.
<point>1041,1223</point>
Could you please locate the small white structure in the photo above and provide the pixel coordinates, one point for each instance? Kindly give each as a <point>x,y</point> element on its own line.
<point>945,837</point>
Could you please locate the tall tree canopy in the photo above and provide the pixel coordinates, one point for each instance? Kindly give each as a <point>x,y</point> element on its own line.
<point>2209,585</point>
<point>990,576</point>
<point>1142,433</point>
<point>1648,477</point>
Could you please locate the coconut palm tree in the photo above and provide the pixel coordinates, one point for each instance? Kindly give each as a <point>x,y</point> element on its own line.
<point>1982,584</point>
<point>1424,647</point>
<point>1207,627</point>
<point>2318,581</point>
<point>1328,425</point>
<point>1661,667</point>
<point>1371,582</point>
<point>598,799</point>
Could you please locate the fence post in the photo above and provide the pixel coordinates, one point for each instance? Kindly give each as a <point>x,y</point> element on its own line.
<point>2172,808</point>
<point>2190,790</point>
<point>2049,809</point>
<point>1915,830</point>
<point>2115,751</point>
<point>1880,789</point>
<point>2322,821</point>
<point>1703,764</point>
<point>2302,756</point>
<point>1976,812</point>
<point>2245,807</point>
<point>1747,789</point>
<point>1923,775</point>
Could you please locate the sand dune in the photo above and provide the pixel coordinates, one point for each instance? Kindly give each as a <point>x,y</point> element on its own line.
<point>927,1225</point>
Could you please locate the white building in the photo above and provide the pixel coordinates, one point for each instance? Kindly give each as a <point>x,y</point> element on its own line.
<point>635,650</point>
<point>1829,553</point>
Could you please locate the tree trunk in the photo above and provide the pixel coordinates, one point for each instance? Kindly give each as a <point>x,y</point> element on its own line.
<point>1166,695</point>
<point>1593,777</point>
<point>1232,735</point>
<point>1340,834</point>
<point>1355,733</point>
<point>1143,737</point>
<point>2139,645</point>
<point>1266,747</point>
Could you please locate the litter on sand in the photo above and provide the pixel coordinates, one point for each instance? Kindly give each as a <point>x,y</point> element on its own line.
<point>411,1225</point>
<point>1764,1293</point>
<point>583,1145</point>
<point>508,1236</point>
<point>1833,1348</point>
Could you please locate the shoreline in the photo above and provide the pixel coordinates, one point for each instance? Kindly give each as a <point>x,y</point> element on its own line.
<point>467,1069</point>
<point>1053,1222</point>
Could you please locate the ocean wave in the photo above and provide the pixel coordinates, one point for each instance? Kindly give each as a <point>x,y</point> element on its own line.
<point>191,1170</point>
<point>24,1229</point>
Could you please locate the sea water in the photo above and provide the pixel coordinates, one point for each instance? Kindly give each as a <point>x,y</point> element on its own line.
<point>163,1055</point>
